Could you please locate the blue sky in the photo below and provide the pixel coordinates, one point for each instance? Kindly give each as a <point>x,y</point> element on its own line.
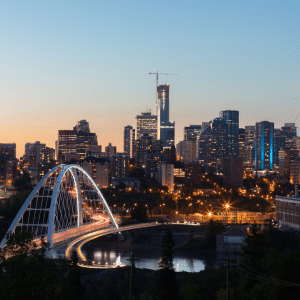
<point>63,61</point>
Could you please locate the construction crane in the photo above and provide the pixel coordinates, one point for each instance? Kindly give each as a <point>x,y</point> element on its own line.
<point>159,74</point>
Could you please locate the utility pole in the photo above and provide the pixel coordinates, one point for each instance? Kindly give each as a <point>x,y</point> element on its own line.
<point>132,259</point>
<point>227,267</point>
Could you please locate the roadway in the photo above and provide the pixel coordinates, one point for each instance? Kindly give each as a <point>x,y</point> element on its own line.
<point>77,244</point>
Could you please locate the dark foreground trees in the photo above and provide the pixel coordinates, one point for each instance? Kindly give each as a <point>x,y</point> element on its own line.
<point>26,273</point>
<point>163,284</point>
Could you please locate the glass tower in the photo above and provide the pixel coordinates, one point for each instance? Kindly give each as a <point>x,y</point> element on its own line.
<point>264,146</point>
<point>232,119</point>
<point>165,128</point>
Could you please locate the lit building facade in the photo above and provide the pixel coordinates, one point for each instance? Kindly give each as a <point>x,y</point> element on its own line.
<point>129,141</point>
<point>8,163</point>
<point>186,151</point>
<point>219,128</point>
<point>166,175</point>
<point>165,128</point>
<point>146,123</point>
<point>67,143</point>
<point>232,119</point>
<point>191,132</point>
<point>289,130</point>
<point>110,150</point>
<point>206,149</point>
<point>264,146</point>
<point>288,211</point>
<point>84,138</point>
<point>98,169</point>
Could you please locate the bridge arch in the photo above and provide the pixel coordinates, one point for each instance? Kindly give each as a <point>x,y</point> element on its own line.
<point>64,204</point>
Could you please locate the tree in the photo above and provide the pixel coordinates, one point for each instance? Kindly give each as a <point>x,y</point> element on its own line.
<point>25,273</point>
<point>164,285</point>
<point>167,251</point>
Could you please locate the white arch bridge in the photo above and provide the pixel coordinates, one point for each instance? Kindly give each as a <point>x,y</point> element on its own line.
<point>65,204</point>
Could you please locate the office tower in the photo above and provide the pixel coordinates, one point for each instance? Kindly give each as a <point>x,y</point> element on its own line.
<point>190,132</point>
<point>8,163</point>
<point>166,175</point>
<point>233,171</point>
<point>119,165</point>
<point>153,157</point>
<point>84,138</point>
<point>146,123</point>
<point>250,145</point>
<point>289,131</point>
<point>206,149</point>
<point>242,146</point>
<point>67,145</point>
<point>285,157</point>
<point>9,150</point>
<point>95,151</point>
<point>98,169</point>
<point>295,171</point>
<point>186,151</point>
<point>219,128</point>
<point>193,174</point>
<point>264,146</point>
<point>129,141</point>
<point>34,152</point>
<point>279,142</point>
<point>205,125</point>
<point>249,134</point>
<point>165,128</point>
<point>82,125</point>
<point>296,142</point>
<point>110,150</point>
<point>143,147</point>
<point>232,119</point>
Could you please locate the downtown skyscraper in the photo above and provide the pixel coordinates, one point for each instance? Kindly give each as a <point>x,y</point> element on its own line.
<point>264,146</point>
<point>232,119</point>
<point>165,128</point>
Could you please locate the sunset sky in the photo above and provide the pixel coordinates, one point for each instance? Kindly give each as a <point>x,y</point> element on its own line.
<point>64,61</point>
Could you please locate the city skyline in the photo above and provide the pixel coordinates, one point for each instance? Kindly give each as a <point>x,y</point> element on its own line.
<point>65,63</point>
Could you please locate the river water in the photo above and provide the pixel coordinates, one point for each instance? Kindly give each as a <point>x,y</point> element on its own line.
<point>183,261</point>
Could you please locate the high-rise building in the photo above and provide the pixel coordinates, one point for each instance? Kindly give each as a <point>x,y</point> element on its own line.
<point>249,134</point>
<point>110,150</point>
<point>146,123</point>
<point>250,146</point>
<point>129,141</point>
<point>285,157</point>
<point>289,131</point>
<point>165,128</point>
<point>67,144</point>
<point>98,169</point>
<point>186,151</point>
<point>232,119</point>
<point>193,174</point>
<point>82,125</point>
<point>9,150</point>
<point>264,146</point>
<point>166,175</point>
<point>119,165</point>
<point>242,146</point>
<point>190,132</point>
<point>8,163</point>
<point>219,128</point>
<point>233,171</point>
<point>206,149</point>
<point>84,138</point>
